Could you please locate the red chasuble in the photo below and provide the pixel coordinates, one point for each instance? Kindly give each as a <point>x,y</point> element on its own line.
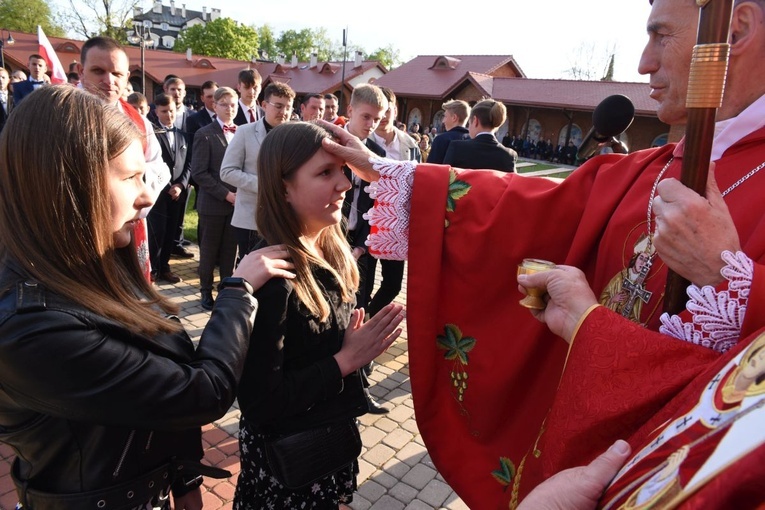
<point>484,372</point>
<point>140,232</point>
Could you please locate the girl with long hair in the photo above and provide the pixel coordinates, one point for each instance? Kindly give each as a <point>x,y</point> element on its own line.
<point>101,394</point>
<point>302,371</point>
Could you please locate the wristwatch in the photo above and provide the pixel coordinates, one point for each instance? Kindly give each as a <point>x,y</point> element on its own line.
<point>236,282</point>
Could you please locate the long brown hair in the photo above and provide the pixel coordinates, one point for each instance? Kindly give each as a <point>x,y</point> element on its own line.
<point>286,148</point>
<point>55,207</point>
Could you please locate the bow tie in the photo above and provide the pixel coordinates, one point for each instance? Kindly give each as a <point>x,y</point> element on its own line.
<point>171,130</point>
<point>34,82</point>
<point>229,129</point>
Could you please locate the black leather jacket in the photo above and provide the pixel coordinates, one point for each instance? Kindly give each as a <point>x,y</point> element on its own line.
<point>88,405</point>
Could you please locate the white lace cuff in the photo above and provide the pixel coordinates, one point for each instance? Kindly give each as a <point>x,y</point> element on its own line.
<point>717,316</point>
<point>390,215</point>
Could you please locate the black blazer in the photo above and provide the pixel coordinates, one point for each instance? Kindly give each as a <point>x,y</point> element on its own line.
<point>483,151</point>
<point>196,121</point>
<point>441,143</point>
<point>241,119</point>
<point>169,155</point>
<point>364,203</point>
<point>22,89</point>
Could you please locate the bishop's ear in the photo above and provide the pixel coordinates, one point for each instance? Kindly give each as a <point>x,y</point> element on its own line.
<point>747,27</point>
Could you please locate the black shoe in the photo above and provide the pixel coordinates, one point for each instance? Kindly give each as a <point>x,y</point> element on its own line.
<point>180,252</point>
<point>369,368</point>
<point>207,300</point>
<point>185,242</point>
<point>373,407</point>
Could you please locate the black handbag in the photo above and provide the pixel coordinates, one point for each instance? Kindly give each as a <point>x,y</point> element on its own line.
<point>297,460</point>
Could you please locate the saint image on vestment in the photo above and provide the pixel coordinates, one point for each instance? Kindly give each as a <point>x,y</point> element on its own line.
<point>725,424</point>
<point>626,293</point>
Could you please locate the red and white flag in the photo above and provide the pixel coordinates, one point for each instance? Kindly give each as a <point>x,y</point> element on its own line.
<point>58,75</point>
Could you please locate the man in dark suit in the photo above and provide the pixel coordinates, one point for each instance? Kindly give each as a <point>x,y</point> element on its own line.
<point>365,111</point>
<point>215,202</point>
<point>248,86</point>
<point>163,218</point>
<point>203,117</point>
<point>483,150</point>
<point>37,69</point>
<point>455,115</point>
<point>5,97</point>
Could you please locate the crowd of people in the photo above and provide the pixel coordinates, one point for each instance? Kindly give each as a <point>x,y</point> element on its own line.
<point>102,394</point>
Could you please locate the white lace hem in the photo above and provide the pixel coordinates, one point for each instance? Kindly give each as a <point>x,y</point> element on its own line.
<point>717,317</point>
<point>390,215</point>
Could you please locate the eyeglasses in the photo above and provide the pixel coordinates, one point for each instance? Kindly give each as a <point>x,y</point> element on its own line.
<point>279,107</point>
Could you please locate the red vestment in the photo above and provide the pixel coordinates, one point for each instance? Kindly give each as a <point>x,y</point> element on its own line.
<point>140,232</point>
<point>484,371</point>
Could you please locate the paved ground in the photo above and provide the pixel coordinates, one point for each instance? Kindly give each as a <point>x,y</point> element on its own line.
<point>396,470</point>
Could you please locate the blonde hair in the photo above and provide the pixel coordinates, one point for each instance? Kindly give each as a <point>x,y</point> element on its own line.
<point>459,108</point>
<point>283,152</point>
<point>55,206</point>
<point>368,94</point>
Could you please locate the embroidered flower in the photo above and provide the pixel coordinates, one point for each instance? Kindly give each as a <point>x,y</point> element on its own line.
<point>717,317</point>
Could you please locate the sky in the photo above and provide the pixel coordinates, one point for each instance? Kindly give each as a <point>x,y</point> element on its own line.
<point>544,36</point>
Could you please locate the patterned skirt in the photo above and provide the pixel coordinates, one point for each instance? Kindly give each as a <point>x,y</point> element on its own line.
<point>257,488</point>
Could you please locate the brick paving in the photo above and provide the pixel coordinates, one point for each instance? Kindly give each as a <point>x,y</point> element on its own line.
<point>396,472</point>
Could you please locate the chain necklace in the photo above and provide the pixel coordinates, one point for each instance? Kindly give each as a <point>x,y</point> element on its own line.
<point>664,170</point>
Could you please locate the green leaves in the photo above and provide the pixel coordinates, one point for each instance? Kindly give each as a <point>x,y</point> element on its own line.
<point>455,345</point>
<point>506,472</point>
<point>222,37</point>
<point>457,190</point>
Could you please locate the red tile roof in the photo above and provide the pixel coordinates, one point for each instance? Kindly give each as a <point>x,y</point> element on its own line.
<point>422,77</point>
<point>160,63</point>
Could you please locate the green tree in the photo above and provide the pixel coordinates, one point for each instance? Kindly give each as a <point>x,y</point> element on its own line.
<point>89,18</point>
<point>25,15</point>
<point>220,38</point>
<point>292,42</point>
<point>387,56</point>
<point>267,42</point>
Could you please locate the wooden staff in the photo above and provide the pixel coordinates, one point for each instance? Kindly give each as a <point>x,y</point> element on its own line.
<point>706,85</point>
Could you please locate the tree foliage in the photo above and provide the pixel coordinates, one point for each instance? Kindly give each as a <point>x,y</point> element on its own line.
<point>293,42</point>
<point>220,38</point>
<point>89,18</point>
<point>25,15</point>
<point>267,42</point>
<point>388,56</point>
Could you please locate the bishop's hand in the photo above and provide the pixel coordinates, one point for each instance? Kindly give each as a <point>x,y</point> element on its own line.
<point>351,150</point>
<point>692,231</point>
<point>568,297</point>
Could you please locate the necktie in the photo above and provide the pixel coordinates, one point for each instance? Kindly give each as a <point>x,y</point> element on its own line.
<point>230,129</point>
<point>252,116</point>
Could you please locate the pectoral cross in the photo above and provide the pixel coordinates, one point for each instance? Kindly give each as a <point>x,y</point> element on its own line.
<point>636,289</point>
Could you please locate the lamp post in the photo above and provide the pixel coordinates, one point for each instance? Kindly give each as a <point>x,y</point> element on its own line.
<point>3,41</point>
<point>142,37</point>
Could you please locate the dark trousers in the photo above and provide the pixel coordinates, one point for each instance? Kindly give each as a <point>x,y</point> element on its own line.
<point>246,240</point>
<point>217,243</point>
<point>367,265</point>
<point>163,222</point>
<point>178,240</point>
<point>392,272</point>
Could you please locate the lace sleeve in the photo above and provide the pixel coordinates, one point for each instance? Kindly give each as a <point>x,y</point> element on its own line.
<point>717,316</point>
<point>389,218</point>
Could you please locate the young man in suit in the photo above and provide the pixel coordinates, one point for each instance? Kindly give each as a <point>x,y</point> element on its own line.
<point>240,164</point>
<point>455,115</point>
<point>312,107</point>
<point>248,86</point>
<point>204,116</point>
<point>365,111</point>
<point>163,218</point>
<point>483,150</point>
<point>400,146</point>
<point>215,199</point>
<point>37,69</point>
<point>5,97</point>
